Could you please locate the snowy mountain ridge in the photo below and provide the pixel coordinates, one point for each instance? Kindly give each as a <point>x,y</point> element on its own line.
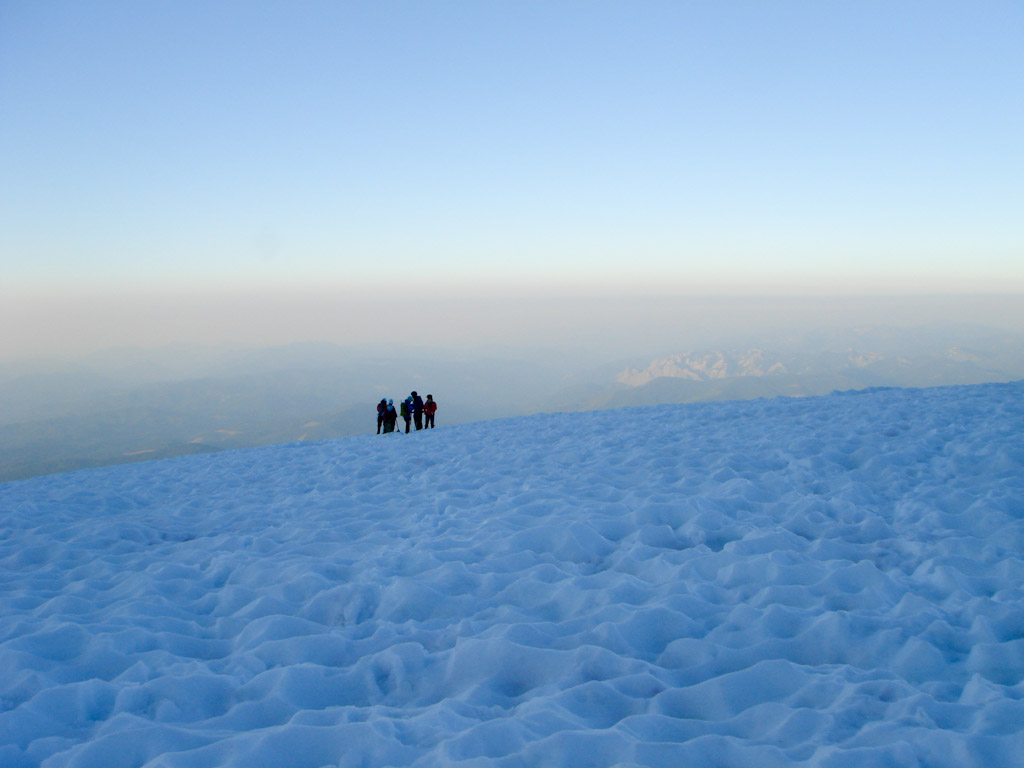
<point>703,366</point>
<point>830,581</point>
<point>719,364</point>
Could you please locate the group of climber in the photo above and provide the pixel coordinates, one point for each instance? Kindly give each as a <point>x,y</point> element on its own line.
<point>413,410</point>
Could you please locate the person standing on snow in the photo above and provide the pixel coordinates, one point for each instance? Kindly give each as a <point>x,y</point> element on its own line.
<point>390,417</point>
<point>382,409</point>
<point>417,409</point>
<point>430,408</point>
<point>407,412</point>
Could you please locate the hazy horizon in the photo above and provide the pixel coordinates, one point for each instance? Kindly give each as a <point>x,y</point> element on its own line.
<point>211,376</point>
<point>609,326</point>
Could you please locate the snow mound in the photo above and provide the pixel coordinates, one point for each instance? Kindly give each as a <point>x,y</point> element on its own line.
<point>828,581</point>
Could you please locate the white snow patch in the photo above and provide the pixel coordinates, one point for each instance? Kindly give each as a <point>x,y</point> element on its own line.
<point>824,581</point>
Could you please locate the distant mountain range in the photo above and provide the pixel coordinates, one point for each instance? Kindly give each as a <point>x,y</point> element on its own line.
<point>815,364</point>
<point>853,365</point>
<point>704,367</point>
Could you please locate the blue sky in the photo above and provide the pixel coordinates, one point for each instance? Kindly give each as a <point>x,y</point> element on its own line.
<point>701,147</point>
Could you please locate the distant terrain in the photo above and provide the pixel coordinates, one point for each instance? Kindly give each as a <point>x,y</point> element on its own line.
<point>132,405</point>
<point>817,364</point>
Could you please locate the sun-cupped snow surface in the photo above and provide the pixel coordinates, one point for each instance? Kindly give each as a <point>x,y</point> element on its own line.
<point>829,581</point>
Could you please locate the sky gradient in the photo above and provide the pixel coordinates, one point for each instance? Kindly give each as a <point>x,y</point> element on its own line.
<point>460,148</point>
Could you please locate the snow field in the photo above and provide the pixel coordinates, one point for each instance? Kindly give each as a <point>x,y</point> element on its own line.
<point>827,581</point>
